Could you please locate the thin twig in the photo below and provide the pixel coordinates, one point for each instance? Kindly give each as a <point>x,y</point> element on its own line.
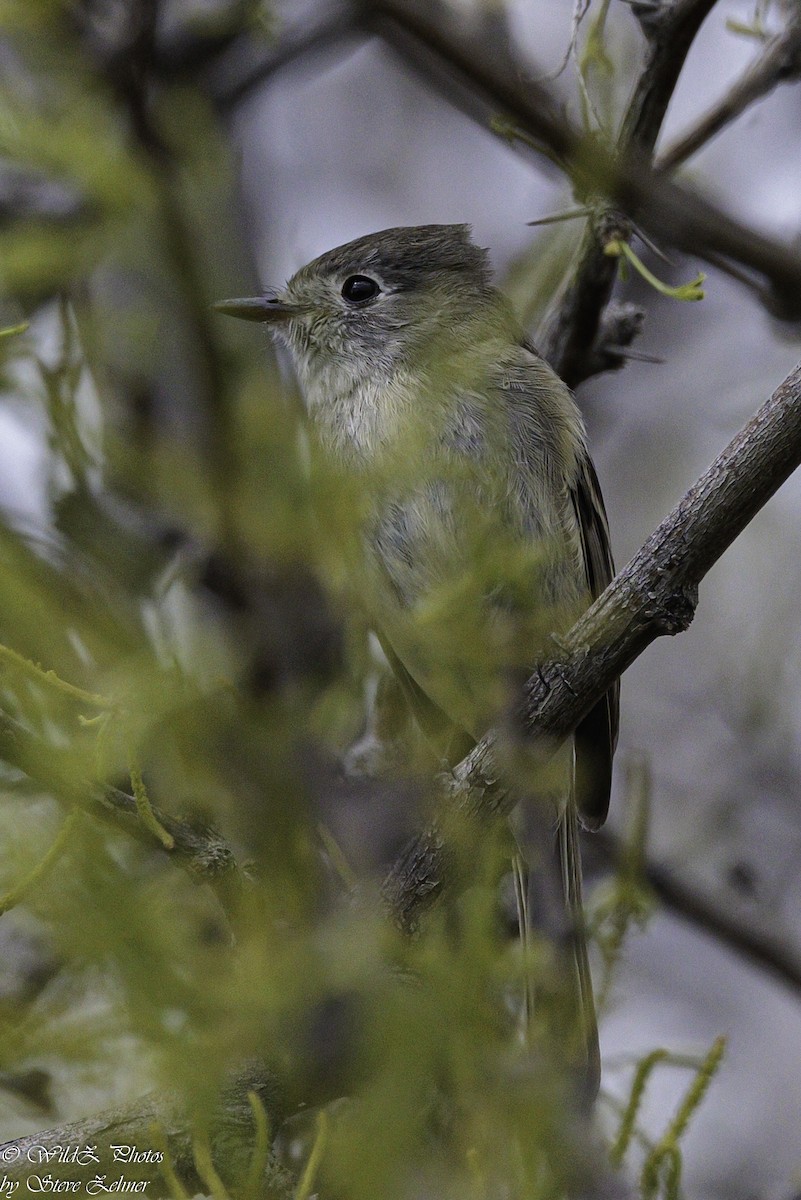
<point>571,342</point>
<point>310,41</point>
<point>780,62</point>
<point>707,913</point>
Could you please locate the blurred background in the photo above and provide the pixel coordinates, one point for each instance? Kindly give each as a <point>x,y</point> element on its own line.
<point>262,141</point>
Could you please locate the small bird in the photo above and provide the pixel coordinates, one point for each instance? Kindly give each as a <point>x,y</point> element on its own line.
<point>483,532</point>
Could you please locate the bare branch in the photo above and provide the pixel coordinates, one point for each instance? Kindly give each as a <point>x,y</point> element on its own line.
<point>319,38</point>
<point>574,342</point>
<point>780,62</point>
<point>160,1123</point>
<point>655,594</point>
<point>670,42</point>
<point>711,916</point>
<point>669,212</point>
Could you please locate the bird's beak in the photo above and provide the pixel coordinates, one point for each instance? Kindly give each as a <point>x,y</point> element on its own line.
<point>257,308</point>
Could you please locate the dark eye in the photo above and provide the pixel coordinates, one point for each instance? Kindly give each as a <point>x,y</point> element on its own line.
<point>359,288</point>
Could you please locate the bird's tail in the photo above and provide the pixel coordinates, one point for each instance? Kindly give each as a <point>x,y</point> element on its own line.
<point>561,920</point>
<point>570,868</point>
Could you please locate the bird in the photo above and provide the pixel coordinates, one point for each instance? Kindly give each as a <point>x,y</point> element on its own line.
<point>482,531</point>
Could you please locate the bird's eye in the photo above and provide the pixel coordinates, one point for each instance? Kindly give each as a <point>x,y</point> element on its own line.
<point>357,289</point>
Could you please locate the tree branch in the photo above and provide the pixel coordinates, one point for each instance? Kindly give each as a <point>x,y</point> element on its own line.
<point>758,945</point>
<point>666,210</point>
<point>320,38</point>
<point>572,341</point>
<point>158,1123</point>
<point>669,44</point>
<point>780,62</point>
<point>654,595</point>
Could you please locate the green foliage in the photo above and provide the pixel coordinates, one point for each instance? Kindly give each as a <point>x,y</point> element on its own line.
<point>662,1163</point>
<point>685,291</point>
<point>757,27</point>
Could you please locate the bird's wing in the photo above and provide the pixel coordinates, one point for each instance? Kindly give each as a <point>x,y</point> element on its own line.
<point>559,490</point>
<point>544,405</point>
<point>596,736</point>
<point>449,739</point>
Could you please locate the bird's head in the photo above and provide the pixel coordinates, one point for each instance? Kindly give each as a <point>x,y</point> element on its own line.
<point>381,303</point>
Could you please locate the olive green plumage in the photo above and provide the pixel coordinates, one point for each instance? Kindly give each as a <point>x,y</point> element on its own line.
<point>483,532</point>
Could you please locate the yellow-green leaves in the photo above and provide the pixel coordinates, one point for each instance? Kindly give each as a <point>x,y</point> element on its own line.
<point>14,330</point>
<point>684,291</point>
<point>662,1165</point>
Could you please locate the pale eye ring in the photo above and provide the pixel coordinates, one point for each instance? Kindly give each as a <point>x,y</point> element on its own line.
<point>358,289</point>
